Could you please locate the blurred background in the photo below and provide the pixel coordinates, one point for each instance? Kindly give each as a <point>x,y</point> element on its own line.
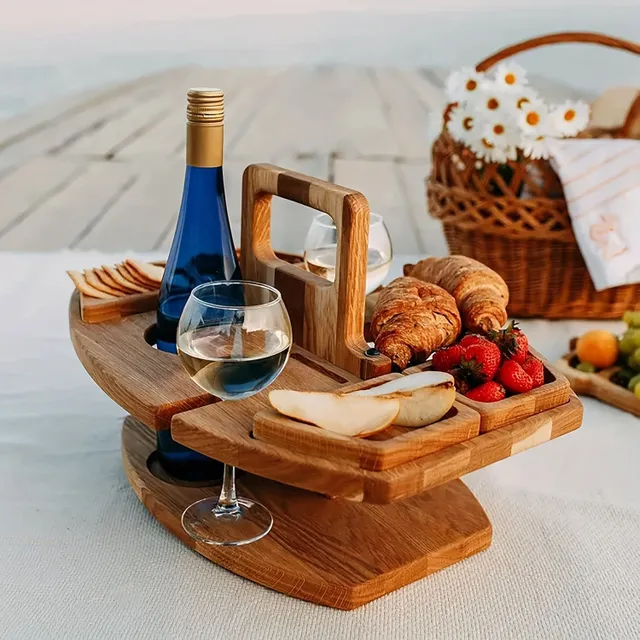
<point>92,102</point>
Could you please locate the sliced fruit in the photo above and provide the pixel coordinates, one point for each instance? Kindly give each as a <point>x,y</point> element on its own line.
<point>347,414</point>
<point>598,347</point>
<point>424,397</point>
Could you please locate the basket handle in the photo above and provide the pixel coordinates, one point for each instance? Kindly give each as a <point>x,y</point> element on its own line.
<point>566,37</point>
<point>327,318</point>
<point>631,126</point>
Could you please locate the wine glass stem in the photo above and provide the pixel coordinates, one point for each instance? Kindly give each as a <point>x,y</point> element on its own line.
<point>228,501</point>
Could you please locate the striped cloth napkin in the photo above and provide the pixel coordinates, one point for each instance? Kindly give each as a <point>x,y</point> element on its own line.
<point>601,181</point>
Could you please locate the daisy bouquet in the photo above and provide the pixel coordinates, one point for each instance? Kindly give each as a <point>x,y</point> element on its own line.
<point>501,118</point>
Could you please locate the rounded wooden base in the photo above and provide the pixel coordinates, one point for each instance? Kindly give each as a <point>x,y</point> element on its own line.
<point>329,551</point>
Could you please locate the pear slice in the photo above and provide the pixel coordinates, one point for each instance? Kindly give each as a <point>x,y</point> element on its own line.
<point>424,397</point>
<point>348,415</point>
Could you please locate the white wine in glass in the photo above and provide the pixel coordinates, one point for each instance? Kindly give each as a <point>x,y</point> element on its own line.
<point>234,339</point>
<point>321,244</point>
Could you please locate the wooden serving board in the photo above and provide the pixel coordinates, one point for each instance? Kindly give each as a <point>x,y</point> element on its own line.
<point>494,415</point>
<point>331,552</point>
<point>598,385</point>
<point>95,310</point>
<point>384,450</point>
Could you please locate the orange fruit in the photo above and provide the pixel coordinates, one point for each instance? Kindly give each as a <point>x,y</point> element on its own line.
<point>599,347</point>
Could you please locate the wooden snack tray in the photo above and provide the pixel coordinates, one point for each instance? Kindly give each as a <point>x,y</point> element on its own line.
<point>598,385</point>
<point>494,415</point>
<point>384,450</point>
<point>341,553</point>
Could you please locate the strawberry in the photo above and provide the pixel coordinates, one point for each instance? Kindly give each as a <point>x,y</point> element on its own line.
<point>512,342</point>
<point>514,378</point>
<point>535,369</point>
<point>480,362</point>
<point>462,386</point>
<point>472,338</point>
<point>447,358</point>
<point>488,392</point>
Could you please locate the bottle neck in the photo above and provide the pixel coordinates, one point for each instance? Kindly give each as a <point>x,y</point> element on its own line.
<point>204,145</point>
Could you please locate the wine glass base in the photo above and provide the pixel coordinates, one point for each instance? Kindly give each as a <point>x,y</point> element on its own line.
<point>248,524</point>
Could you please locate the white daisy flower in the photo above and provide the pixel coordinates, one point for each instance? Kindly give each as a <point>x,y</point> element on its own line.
<point>570,118</point>
<point>500,132</point>
<point>489,101</point>
<point>533,118</point>
<point>463,125</point>
<point>535,148</point>
<point>510,76</point>
<point>519,98</point>
<point>463,84</point>
<point>488,152</point>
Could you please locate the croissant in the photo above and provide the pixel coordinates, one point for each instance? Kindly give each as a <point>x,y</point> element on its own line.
<point>412,319</point>
<point>480,293</point>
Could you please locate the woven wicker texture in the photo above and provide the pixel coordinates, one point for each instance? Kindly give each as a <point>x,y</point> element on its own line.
<point>514,219</point>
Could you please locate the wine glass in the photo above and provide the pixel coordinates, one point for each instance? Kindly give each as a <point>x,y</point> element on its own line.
<point>234,339</point>
<point>321,244</point>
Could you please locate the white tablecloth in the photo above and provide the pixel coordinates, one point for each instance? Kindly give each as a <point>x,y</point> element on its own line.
<point>80,557</point>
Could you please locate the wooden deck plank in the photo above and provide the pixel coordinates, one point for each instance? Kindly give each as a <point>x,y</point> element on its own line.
<point>138,218</point>
<point>32,184</point>
<point>167,137</point>
<point>407,116</point>
<point>57,134</point>
<point>65,216</point>
<point>381,183</point>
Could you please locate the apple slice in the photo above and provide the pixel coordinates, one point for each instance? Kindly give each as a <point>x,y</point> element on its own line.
<point>348,415</point>
<point>424,397</point>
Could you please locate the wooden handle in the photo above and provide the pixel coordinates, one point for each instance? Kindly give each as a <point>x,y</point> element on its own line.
<point>327,318</point>
<point>558,38</point>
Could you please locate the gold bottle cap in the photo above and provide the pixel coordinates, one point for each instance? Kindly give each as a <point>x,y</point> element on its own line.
<point>205,106</point>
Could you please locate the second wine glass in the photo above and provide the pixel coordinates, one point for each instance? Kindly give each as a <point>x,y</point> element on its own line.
<point>321,245</point>
<point>234,339</point>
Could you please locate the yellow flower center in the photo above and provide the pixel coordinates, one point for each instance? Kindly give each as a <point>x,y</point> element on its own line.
<point>533,118</point>
<point>522,102</point>
<point>467,123</point>
<point>486,144</point>
<point>569,115</point>
<point>471,85</point>
<point>498,129</point>
<point>492,104</point>
<point>510,78</point>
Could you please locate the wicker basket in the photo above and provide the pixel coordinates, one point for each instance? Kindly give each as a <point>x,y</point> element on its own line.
<point>520,227</point>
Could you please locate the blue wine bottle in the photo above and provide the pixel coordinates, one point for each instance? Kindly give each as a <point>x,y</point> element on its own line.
<point>202,251</point>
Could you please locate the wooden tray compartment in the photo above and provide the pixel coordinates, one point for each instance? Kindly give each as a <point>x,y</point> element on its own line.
<point>494,415</point>
<point>381,451</point>
<point>598,385</point>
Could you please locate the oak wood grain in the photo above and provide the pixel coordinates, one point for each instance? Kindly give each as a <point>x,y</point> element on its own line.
<point>598,385</point>
<point>331,552</point>
<point>384,450</point>
<point>225,433</point>
<point>327,318</point>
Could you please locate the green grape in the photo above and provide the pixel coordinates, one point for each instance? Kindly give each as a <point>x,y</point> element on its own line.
<point>636,336</point>
<point>633,383</point>
<point>586,367</point>
<point>634,360</point>
<point>627,343</point>
<point>632,318</point>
